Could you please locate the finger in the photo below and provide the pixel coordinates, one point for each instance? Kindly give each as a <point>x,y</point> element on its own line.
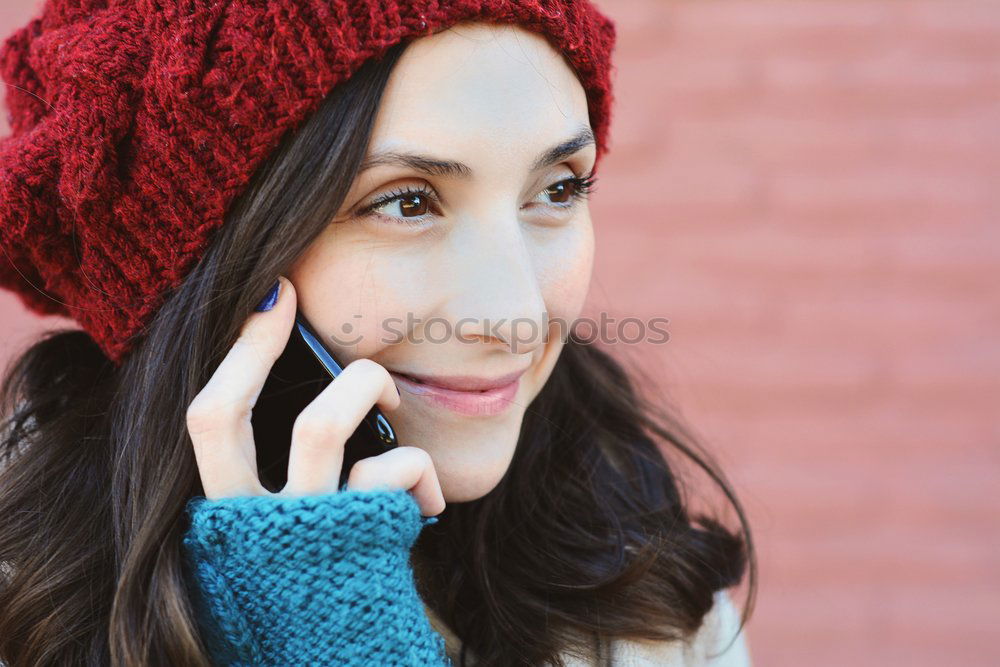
<point>409,468</point>
<point>323,427</point>
<point>218,419</point>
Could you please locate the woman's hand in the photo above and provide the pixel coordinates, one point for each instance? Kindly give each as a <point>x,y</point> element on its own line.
<point>218,421</point>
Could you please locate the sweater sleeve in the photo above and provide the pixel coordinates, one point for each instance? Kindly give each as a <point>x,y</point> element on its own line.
<point>309,580</point>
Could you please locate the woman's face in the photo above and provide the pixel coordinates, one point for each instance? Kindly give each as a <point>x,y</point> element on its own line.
<point>484,263</point>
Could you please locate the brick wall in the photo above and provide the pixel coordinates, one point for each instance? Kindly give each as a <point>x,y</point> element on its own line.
<point>810,191</point>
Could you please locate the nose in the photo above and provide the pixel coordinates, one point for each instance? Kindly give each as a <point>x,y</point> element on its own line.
<point>496,291</point>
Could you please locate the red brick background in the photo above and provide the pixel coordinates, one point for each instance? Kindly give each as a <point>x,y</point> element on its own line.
<point>810,192</point>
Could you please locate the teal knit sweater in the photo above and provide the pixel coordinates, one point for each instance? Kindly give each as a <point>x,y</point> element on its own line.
<point>309,580</point>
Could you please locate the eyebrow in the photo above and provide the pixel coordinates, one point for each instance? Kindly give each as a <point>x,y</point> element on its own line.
<point>437,167</point>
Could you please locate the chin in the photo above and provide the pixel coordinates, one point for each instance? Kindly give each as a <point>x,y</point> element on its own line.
<point>465,490</point>
<point>470,475</point>
<point>470,457</point>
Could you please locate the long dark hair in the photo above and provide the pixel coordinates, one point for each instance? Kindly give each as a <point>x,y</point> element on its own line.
<point>587,536</point>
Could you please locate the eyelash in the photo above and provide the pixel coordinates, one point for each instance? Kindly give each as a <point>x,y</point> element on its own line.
<point>582,187</point>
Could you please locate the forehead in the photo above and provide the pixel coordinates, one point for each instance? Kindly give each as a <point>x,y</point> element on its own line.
<point>480,88</point>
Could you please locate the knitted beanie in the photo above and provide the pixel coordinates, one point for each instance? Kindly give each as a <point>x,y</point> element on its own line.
<point>135,123</point>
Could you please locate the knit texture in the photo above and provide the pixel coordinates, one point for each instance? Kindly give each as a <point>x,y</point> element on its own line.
<point>135,124</point>
<point>310,580</point>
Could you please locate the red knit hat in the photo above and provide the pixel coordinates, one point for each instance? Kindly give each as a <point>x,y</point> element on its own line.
<point>135,123</point>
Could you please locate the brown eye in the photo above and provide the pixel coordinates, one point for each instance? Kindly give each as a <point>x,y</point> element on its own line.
<point>568,191</point>
<point>415,204</point>
<point>561,192</point>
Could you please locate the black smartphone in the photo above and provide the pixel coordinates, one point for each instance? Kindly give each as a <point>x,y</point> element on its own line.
<point>303,370</point>
<point>375,420</point>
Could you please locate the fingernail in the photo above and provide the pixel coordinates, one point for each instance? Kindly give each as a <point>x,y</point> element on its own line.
<point>271,298</point>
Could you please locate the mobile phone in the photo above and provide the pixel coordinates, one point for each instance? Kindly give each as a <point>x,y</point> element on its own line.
<point>301,372</point>
<point>376,421</point>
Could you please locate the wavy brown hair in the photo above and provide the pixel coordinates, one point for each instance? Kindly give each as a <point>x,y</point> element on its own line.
<point>588,536</point>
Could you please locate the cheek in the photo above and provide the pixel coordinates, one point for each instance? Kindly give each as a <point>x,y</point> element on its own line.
<point>565,269</point>
<point>358,298</point>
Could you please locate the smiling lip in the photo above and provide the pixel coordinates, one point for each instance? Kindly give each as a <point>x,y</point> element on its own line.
<point>467,395</point>
<point>462,382</point>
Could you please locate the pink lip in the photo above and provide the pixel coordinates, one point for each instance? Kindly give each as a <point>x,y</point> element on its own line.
<point>464,382</point>
<point>464,394</point>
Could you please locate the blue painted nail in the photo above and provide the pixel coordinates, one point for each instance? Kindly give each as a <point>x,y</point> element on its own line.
<point>271,298</point>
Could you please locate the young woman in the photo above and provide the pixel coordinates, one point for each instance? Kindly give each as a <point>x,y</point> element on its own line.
<point>174,505</point>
